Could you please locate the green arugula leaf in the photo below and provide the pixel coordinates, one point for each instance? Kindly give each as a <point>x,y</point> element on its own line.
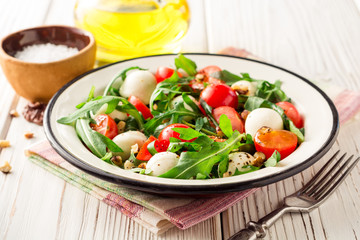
<point>187,133</point>
<point>90,138</point>
<point>90,97</point>
<point>178,111</point>
<point>245,169</point>
<point>127,107</point>
<point>223,167</point>
<point>186,64</point>
<point>141,171</point>
<point>201,176</point>
<point>225,125</point>
<point>109,143</point>
<point>192,163</point>
<point>273,160</point>
<point>190,103</point>
<point>117,81</point>
<point>199,124</point>
<point>226,76</point>
<point>94,104</point>
<point>271,92</point>
<point>208,111</point>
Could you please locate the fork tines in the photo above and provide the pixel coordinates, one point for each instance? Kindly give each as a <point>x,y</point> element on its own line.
<point>319,189</point>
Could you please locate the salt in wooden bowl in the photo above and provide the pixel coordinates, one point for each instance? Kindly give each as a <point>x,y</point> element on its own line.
<point>38,82</point>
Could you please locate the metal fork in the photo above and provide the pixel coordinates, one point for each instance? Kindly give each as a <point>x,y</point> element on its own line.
<point>319,188</point>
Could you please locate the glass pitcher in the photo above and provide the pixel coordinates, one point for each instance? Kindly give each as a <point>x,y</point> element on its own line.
<point>132,28</point>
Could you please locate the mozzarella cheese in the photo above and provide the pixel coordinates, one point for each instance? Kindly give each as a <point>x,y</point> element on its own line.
<point>238,160</point>
<point>244,87</point>
<point>162,162</point>
<point>263,117</point>
<point>140,84</point>
<point>126,140</point>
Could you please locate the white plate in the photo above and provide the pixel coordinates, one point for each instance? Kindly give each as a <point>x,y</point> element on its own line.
<point>321,126</point>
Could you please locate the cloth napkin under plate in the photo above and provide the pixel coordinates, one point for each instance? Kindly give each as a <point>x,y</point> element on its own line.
<point>159,213</point>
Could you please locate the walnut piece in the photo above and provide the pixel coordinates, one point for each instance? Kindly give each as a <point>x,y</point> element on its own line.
<point>6,168</point>
<point>34,112</point>
<point>4,143</point>
<point>14,113</point>
<point>29,135</point>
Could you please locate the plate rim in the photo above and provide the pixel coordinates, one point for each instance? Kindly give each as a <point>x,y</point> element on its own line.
<point>164,188</point>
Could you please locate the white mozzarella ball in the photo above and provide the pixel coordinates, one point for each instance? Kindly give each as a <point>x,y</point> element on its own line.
<point>140,84</point>
<point>126,140</point>
<point>162,162</point>
<point>244,87</point>
<point>114,114</point>
<point>238,160</point>
<point>263,117</point>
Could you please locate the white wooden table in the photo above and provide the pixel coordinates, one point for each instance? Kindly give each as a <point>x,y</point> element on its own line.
<point>317,39</point>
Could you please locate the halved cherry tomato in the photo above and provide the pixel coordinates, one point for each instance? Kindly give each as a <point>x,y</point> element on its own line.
<point>163,73</point>
<point>217,95</point>
<point>167,133</point>
<point>236,122</point>
<point>292,113</point>
<point>141,107</point>
<point>160,146</point>
<point>144,153</point>
<point>268,140</point>
<point>105,125</point>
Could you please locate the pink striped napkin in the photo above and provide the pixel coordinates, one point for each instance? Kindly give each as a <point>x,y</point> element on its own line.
<point>159,213</point>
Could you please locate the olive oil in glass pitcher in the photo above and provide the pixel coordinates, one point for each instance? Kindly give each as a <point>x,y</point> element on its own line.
<point>132,28</point>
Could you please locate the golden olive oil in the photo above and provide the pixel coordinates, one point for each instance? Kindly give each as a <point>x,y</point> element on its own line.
<point>133,28</point>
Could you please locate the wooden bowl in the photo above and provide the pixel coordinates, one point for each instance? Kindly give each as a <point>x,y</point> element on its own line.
<point>38,82</point>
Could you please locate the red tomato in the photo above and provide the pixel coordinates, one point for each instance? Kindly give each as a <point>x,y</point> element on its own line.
<point>292,113</point>
<point>231,113</point>
<point>163,73</point>
<point>160,146</point>
<point>105,125</point>
<point>267,141</point>
<point>217,95</point>
<point>141,107</point>
<point>144,153</point>
<point>167,133</point>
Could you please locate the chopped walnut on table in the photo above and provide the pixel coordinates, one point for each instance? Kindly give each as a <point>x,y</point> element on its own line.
<point>14,113</point>
<point>4,143</point>
<point>34,112</point>
<point>6,168</point>
<point>29,135</point>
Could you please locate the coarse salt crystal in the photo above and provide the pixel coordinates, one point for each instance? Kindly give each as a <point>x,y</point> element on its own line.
<point>43,53</point>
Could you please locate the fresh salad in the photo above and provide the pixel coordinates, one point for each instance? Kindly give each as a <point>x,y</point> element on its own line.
<point>188,123</point>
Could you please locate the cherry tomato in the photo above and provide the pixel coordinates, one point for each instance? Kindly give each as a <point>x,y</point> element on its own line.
<point>167,133</point>
<point>160,146</point>
<point>141,107</point>
<point>105,125</point>
<point>231,113</point>
<point>268,140</point>
<point>217,95</point>
<point>292,113</point>
<point>144,153</point>
<point>163,73</point>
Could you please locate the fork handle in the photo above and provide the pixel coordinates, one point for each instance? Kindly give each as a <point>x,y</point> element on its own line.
<point>258,229</point>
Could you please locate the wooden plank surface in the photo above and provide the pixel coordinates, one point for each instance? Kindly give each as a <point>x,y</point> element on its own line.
<point>318,39</point>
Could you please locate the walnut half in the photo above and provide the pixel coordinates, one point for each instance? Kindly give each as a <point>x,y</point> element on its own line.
<point>6,168</point>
